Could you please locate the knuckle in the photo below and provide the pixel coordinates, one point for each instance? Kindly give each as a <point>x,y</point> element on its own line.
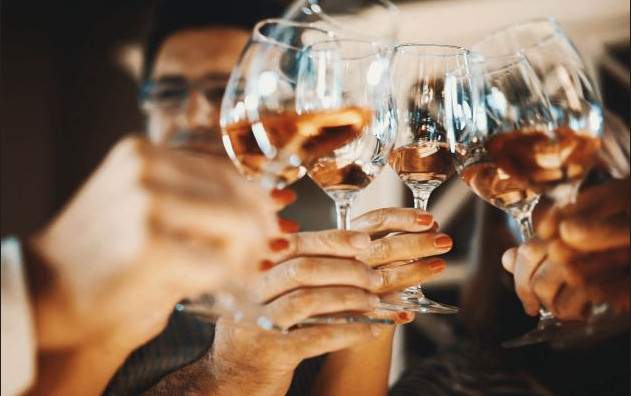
<point>379,217</point>
<point>300,269</point>
<point>381,249</point>
<point>301,300</point>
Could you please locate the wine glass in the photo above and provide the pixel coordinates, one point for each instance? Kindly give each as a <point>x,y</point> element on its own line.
<point>569,154</point>
<point>495,157</point>
<point>261,129</point>
<point>269,136</point>
<point>421,157</point>
<point>373,20</point>
<point>575,101</point>
<point>346,84</point>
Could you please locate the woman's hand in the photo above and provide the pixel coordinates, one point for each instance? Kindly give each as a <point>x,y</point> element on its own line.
<point>316,273</point>
<point>581,256</point>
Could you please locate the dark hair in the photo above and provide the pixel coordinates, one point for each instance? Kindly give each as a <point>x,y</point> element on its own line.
<point>171,16</point>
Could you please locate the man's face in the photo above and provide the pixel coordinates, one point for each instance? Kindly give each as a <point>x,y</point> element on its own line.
<point>189,75</point>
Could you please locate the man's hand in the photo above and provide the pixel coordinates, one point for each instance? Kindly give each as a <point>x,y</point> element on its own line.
<point>316,273</point>
<point>581,256</point>
<point>150,227</point>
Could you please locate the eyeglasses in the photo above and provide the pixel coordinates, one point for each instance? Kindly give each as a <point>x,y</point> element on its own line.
<point>171,93</point>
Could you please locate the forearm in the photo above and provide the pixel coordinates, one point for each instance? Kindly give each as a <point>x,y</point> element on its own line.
<point>361,370</point>
<point>207,377</point>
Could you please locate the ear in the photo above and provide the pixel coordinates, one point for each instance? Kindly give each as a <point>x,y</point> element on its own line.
<point>129,57</point>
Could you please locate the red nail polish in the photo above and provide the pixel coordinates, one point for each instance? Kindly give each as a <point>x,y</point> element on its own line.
<point>288,226</point>
<point>443,241</point>
<point>437,266</point>
<point>265,265</point>
<point>402,316</point>
<point>424,219</point>
<point>283,196</point>
<point>278,244</point>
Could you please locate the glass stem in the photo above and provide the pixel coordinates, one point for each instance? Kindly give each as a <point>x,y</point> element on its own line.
<point>343,210</point>
<point>524,220</point>
<point>421,197</point>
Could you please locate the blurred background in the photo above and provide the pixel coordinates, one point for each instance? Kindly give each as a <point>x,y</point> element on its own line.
<point>69,80</point>
<point>69,88</point>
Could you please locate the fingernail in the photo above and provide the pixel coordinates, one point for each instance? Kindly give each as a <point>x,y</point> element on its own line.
<point>437,265</point>
<point>376,330</point>
<point>278,244</point>
<point>443,241</point>
<point>424,219</point>
<point>283,196</point>
<point>374,300</point>
<point>265,265</point>
<point>403,317</point>
<point>360,241</point>
<point>288,226</point>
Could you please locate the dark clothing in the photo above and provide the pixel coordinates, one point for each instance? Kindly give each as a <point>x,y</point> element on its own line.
<point>184,340</point>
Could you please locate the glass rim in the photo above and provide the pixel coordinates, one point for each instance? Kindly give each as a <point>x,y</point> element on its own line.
<point>551,21</point>
<point>460,51</point>
<point>258,36</point>
<point>512,60</point>
<point>330,18</point>
<point>373,45</point>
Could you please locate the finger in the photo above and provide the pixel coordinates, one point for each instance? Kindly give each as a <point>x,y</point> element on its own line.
<point>508,259</point>
<point>529,257</point>
<point>596,267</point>
<point>571,303</point>
<point>317,340</point>
<point>405,247</point>
<point>546,283</point>
<point>336,243</point>
<point>601,200</point>
<point>585,234</point>
<point>383,221</point>
<point>409,274</point>
<point>189,270</point>
<point>614,293</point>
<point>298,305</point>
<point>546,219</point>
<point>195,219</point>
<point>283,198</point>
<point>314,271</point>
<point>399,318</point>
<point>288,226</point>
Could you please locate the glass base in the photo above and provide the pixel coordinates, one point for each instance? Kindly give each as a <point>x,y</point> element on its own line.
<point>592,332</point>
<point>548,329</point>
<point>414,301</point>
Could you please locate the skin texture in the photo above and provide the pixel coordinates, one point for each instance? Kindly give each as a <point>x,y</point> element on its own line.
<point>167,220</point>
<point>581,255</point>
<point>309,273</point>
<point>319,273</point>
<point>151,226</point>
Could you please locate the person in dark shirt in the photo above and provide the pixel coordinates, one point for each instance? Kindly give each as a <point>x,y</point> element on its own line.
<point>188,58</point>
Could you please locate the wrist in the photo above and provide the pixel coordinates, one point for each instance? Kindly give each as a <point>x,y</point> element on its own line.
<point>230,377</point>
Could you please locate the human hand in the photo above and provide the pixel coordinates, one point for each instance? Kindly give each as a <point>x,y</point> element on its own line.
<point>150,227</point>
<point>319,273</point>
<point>581,256</point>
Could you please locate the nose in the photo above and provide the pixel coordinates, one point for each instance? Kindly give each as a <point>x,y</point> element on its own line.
<point>200,112</point>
